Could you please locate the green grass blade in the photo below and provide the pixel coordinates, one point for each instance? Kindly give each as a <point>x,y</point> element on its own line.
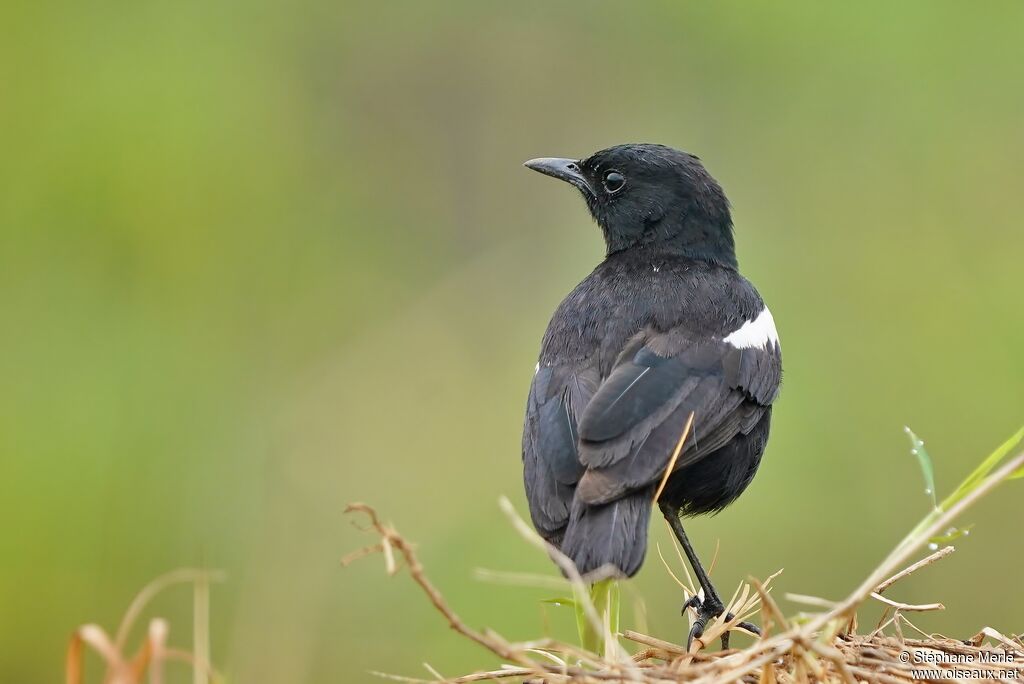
<point>986,467</point>
<point>563,601</point>
<point>952,534</point>
<point>605,597</point>
<point>925,461</point>
<point>1016,474</point>
<point>583,627</point>
<point>613,610</point>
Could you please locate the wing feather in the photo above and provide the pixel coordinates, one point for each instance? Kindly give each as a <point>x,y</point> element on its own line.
<point>551,466</point>
<point>631,426</point>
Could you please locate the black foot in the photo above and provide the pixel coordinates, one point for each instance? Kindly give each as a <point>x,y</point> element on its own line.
<point>707,611</point>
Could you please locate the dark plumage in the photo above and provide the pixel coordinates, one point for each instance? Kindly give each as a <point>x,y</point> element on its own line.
<point>663,327</point>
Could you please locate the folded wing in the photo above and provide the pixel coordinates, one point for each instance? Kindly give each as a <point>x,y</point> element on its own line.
<point>630,427</point>
<point>551,462</point>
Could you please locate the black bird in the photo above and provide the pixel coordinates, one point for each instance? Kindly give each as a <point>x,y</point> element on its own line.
<point>664,327</point>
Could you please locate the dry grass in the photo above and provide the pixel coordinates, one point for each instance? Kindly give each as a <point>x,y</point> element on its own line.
<point>146,663</point>
<point>822,646</point>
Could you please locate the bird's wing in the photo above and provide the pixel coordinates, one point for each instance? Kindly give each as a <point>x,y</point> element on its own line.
<point>551,462</point>
<point>629,429</point>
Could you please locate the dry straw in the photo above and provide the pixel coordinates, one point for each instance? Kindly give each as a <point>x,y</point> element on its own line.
<point>147,662</point>
<point>823,646</point>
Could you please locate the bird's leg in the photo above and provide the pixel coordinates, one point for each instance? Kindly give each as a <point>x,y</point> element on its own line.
<point>711,606</point>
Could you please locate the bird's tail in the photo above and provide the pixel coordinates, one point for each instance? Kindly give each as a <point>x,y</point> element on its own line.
<point>609,540</point>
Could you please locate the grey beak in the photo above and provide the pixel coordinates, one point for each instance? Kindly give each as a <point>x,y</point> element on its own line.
<point>567,170</point>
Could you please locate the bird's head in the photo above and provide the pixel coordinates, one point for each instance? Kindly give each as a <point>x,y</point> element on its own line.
<point>645,194</point>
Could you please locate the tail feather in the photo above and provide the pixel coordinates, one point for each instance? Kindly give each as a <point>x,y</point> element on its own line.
<point>610,539</point>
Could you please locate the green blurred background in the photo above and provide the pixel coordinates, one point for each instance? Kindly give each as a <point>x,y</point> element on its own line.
<point>262,259</point>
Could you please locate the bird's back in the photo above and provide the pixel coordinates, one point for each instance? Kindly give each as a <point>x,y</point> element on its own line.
<point>632,290</point>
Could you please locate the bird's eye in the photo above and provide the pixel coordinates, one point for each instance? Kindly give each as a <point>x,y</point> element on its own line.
<point>613,181</point>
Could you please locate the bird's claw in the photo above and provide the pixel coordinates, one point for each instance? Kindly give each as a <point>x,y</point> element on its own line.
<point>692,602</point>
<point>750,627</point>
<point>696,632</point>
<point>706,610</point>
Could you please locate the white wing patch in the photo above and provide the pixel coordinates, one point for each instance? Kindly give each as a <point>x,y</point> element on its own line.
<point>756,333</point>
